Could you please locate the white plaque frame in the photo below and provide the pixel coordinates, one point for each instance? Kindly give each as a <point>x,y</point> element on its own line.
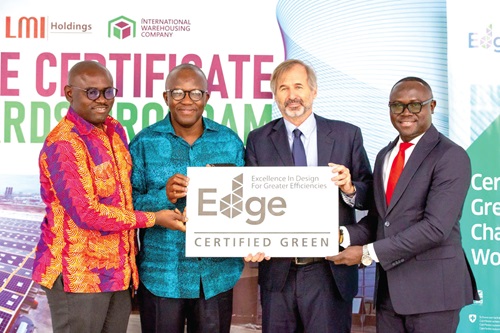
<point>281,211</point>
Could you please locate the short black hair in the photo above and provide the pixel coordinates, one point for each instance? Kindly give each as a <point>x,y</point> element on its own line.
<point>413,78</point>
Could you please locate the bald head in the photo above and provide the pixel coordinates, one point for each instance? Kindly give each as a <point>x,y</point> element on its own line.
<point>189,68</point>
<point>88,68</point>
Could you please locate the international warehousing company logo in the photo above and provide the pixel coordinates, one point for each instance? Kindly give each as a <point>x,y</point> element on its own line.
<point>232,204</point>
<point>484,40</point>
<point>121,27</point>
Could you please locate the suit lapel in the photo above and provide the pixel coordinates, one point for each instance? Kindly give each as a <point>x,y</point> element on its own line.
<point>378,176</point>
<point>326,141</point>
<point>424,146</point>
<point>280,142</point>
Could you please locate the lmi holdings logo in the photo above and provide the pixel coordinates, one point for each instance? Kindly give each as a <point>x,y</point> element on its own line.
<point>121,27</point>
<point>233,204</point>
<point>25,27</point>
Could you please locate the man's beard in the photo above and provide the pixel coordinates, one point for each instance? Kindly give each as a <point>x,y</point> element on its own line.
<point>297,113</point>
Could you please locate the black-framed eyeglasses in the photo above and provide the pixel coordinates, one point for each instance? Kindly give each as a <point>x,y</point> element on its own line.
<point>413,107</point>
<point>94,93</point>
<point>179,94</point>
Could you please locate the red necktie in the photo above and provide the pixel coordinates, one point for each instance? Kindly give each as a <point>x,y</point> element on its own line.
<point>396,169</point>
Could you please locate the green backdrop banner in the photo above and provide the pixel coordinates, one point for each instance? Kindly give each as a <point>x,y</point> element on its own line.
<point>481,231</point>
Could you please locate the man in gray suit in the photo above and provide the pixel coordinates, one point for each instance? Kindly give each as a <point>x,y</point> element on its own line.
<point>309,294</point>
<point>423,277</point>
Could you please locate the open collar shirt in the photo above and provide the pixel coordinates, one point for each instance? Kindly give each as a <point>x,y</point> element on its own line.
<point>158,154</point>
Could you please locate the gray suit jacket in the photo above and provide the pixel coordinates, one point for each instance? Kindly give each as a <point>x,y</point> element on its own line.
<point>418,240</point>
<point>338,142</point>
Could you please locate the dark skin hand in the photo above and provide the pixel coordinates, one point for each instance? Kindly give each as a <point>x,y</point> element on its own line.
<point>350,256</point>
<point>171,219</point>
<point>177,187</point>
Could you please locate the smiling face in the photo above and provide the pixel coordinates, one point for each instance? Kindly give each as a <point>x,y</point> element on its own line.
<point>85,75</point>
<point>294,97</point>
<point>186,114</point>
<point>411,125</point>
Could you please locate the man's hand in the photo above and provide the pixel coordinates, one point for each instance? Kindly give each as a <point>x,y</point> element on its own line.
<point>258,257</point>
<point>171,219</point>
<point>350,256</point>
<point>176,187</point>
<point>343,178</point>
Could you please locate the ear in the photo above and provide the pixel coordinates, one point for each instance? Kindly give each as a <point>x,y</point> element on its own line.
<point>433,105</point>
<point>68,93</point>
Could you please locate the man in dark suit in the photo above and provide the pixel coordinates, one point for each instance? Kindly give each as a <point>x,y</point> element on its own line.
<point>309,294</point>
<point>423,277</point>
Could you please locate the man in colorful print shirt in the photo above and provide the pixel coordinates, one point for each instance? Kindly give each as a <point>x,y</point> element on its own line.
<point>85,259</point>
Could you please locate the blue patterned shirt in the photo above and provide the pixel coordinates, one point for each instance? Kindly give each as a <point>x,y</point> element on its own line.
<point>157,154</point>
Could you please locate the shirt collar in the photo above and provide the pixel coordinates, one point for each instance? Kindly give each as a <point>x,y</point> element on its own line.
<point>83,126</point>
<point>166,125</point>
<point>414,141</point>
<point>307,127</point>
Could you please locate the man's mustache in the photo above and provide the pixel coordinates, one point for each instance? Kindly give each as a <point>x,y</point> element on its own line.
<point>296,100</point>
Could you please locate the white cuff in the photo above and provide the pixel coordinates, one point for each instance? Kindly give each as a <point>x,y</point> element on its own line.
<point>371,251</point>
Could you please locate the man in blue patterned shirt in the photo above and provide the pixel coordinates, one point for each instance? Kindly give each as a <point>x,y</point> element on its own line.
<point>175,288</point>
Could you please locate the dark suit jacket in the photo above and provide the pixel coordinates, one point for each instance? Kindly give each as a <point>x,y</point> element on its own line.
<point>418,239</point>
<point>338,142</point>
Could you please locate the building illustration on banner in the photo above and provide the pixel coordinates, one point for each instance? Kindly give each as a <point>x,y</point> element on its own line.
<point>20,216</point>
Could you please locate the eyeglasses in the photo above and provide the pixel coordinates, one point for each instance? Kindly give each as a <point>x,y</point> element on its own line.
<point>414,107</point>
<point>179,94</point>
<point>94,93</point>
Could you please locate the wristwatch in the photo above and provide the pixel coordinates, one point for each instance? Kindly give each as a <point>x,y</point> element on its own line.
<point>366,260</point>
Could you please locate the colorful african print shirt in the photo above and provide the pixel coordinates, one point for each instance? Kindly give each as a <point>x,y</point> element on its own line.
<point>88,233</point>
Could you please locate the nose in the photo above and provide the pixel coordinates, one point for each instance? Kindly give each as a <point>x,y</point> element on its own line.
<point>101,97</point>
<point>186,99</point>
<point>405,108</point>
<point>293,93</point>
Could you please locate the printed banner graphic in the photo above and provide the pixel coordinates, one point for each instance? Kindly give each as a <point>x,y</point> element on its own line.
<point>481,233</point>
<point>281,211</point>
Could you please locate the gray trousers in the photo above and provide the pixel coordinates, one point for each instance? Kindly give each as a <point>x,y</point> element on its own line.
<point>105,312</point>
